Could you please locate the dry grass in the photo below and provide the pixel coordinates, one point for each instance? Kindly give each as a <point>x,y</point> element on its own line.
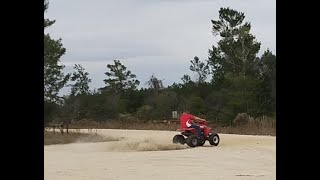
<point>246,130</point>
<point>73,137</point>
<point>258,126</point>
<point>122,125</point>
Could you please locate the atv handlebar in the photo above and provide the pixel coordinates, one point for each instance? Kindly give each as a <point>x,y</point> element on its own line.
<point>203,123</point>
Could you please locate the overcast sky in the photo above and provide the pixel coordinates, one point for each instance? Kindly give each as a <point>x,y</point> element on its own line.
<point>150,37</point>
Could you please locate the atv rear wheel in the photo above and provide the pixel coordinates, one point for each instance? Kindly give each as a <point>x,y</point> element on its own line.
<point>192,141</point>
<point>178,139</point>
<point>214,139</point>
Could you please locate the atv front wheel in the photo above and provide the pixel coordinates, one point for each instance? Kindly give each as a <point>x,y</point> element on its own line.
<point>214,139</point>
<point>178,139</point>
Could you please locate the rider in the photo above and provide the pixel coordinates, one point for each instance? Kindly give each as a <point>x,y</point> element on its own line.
<point>188,121</point>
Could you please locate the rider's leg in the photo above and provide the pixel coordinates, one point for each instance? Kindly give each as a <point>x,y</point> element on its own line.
<point>197,128</point>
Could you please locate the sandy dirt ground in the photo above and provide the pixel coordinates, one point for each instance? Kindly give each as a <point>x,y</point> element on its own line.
<point>150,155</point>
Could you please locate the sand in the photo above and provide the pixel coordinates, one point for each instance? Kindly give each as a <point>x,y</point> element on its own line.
<point>151,155</point>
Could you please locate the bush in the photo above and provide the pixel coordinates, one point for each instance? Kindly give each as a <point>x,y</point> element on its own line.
<point>126,117</point>
<point>242,119</point>
<point>145,112</point>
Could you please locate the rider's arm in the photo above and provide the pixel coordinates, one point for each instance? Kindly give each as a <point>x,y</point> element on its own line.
<point>198,119</point>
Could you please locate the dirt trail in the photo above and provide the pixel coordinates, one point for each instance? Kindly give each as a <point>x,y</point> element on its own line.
<point>142,154</point>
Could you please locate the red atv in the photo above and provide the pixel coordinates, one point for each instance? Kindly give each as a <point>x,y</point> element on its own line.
<point>191,138</point>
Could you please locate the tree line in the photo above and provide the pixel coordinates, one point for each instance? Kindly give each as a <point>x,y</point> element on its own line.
<point>241,82</point>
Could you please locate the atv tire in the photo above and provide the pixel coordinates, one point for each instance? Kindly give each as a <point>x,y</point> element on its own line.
<point>201,141</point>
<point>192,141</point>
<point>178,139</point>
<point>214,139</point>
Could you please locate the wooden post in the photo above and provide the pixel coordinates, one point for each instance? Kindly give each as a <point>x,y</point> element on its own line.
<point>67,128</point>
<point>61,129</point>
